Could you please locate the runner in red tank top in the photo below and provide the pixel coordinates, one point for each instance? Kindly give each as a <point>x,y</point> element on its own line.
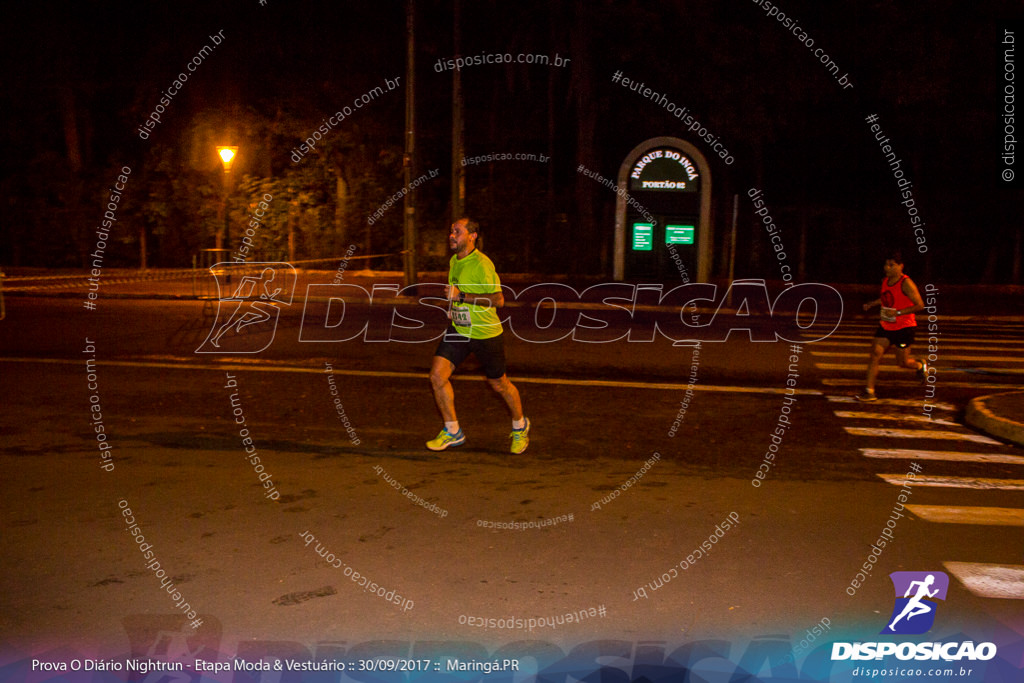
<point>899,300</point>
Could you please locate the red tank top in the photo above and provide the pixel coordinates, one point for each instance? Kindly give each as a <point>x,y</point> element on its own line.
<point>893,297</point>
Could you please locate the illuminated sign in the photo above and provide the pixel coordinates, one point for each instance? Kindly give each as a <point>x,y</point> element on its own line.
<point>664,170</point>
<point>679,234</point>
<point>643,237</point>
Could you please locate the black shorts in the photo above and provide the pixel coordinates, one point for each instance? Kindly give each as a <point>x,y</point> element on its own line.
<point>901,338</point>
<point>490,352</point>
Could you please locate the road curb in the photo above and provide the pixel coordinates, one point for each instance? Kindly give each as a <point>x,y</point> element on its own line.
<point>980,415</point>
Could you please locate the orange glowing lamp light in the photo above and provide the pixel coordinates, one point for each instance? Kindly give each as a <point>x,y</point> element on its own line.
<point>227,156</point>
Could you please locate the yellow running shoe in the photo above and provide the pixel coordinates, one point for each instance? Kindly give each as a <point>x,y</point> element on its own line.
<point>445,440</point>
<point>521,438</point>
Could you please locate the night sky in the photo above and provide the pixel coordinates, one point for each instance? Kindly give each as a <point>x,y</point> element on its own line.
<point>80,81</point>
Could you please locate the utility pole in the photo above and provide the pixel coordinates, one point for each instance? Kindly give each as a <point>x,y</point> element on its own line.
<point>458,152</point>
<point>732,245</point>
<point>409,160</point>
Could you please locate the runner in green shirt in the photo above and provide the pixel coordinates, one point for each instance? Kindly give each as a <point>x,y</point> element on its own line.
<point>474,291</point>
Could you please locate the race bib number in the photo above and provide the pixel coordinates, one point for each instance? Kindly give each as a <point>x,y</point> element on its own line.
<point>460,316</point>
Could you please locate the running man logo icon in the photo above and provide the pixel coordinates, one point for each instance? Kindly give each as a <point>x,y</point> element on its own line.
<point>916,593</point>
<point>246,321</point>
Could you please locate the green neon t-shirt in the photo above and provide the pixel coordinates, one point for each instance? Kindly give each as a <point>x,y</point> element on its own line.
<point>474,274</point>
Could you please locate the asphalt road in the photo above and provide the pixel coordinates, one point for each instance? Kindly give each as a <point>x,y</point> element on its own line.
<point>621,485</point>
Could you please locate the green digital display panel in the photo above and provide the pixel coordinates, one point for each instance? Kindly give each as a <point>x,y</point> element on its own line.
<point>643,237</point>
<point>679,234</point>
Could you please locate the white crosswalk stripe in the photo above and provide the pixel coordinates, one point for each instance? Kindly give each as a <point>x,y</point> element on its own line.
<point>951,514</point>
<point>861,415</point>
<point>993,386</point>
<point>951,456</point>
<point>955,482</point>
<point>864,339</point>
<point>861,347</point>
<point>990,580</point>
<point>860,367</point>
<point>943,435</point>
<point>850,354</point>
<point>903,403</point>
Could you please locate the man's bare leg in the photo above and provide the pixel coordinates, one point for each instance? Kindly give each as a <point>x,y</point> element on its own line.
<point>503,385</point>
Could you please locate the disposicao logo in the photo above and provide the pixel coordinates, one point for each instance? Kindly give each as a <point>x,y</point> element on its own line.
<point>914,614</point>
<point>246,319</point>
<point>916,595</point>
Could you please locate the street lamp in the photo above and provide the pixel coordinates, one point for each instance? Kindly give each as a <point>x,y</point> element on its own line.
<point>227,156</point>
